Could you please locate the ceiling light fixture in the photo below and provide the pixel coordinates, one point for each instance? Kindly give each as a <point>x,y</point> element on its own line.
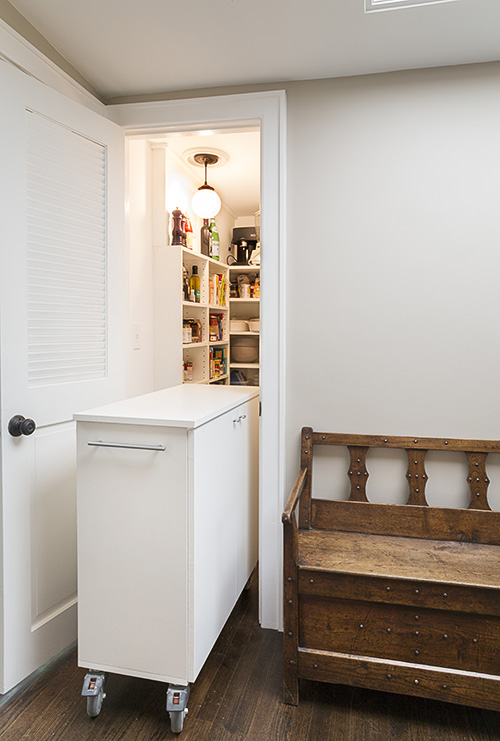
<point>206,202</point>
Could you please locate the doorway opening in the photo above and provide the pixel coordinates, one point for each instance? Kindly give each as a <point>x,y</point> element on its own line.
<point>162,177</point>
<point>267,110</point>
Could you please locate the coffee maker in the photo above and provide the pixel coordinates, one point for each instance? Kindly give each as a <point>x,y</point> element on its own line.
<point>244,242</point>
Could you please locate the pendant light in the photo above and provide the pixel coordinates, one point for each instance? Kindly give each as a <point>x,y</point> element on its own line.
<point>206,203</point>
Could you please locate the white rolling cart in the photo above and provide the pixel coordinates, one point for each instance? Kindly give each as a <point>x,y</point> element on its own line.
<point>167,532</point>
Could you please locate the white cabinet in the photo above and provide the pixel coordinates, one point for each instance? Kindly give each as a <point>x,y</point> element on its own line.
<point>167,537</point>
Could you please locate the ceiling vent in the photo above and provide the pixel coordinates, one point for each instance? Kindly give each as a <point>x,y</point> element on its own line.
<point>372,6</point>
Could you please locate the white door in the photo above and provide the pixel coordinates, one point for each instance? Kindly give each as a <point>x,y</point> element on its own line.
<point>62,312</point>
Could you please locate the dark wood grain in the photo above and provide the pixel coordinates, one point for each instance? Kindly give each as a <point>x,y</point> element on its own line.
<point>249,708</point>
<point>385,587</point>
<point>407,443</point>
<point>417,477</point>
<point>358,473</point>
<point>439,562</point>
<point>290,611</point>
<point>407,678</point>
<point>392,591</point>
<point>293,499</point>
<point>435,523</point>
<point>478,481</point>
<point>306,457</point>
<point>404,633</point>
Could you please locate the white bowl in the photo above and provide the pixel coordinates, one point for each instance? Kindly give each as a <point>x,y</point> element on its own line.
<point>254,325</point>
<point>238,325</point>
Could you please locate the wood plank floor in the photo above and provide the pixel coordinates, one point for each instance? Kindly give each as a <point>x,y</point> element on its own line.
<point>236,696</point>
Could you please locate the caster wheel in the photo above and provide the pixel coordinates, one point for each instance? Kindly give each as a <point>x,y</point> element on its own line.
<point>177,720</point>
<point>94,705</point>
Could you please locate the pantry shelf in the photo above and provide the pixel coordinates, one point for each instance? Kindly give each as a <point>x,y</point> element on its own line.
<point>219,378</point>
<point>196,305</point>
<point>245,365</point>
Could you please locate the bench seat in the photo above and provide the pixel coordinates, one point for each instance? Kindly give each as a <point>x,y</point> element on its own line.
<point>436,561</point>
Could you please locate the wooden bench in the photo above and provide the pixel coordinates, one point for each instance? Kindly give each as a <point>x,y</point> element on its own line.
<point>400,598</point>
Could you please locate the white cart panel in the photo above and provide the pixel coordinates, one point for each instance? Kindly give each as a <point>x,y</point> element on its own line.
<point>132,520</point>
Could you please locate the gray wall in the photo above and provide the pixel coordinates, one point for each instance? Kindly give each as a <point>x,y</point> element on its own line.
<point>393,259</point>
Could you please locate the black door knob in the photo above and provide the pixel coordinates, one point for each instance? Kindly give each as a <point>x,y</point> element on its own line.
<point>19,425</point>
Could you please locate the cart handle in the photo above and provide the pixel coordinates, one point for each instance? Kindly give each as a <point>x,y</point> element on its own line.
<point>130,446</point>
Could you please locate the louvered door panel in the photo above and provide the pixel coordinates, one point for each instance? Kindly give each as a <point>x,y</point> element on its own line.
<point>66,254</point>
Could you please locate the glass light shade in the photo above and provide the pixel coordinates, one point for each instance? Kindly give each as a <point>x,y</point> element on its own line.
<point>206,203</point>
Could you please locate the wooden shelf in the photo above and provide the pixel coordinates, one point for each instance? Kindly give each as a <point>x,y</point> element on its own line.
<point>244,268</point>
<point>244,365</point>
<point>219,378</point>
<point>246,333</point>
<point>189,345</point>
<point>199,256</point>
<point>215,343</point>
<point>194,304</point>
<point>214,307</point>
<point>246,300</point>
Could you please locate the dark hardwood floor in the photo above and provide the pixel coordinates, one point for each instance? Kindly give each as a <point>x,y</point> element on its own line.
<point>237,696</point>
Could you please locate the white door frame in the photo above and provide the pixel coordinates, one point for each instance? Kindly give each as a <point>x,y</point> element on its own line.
<point>267,109</point>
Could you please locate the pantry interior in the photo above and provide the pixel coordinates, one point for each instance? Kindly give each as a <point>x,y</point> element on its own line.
<point>224,345</point>
<point>161,177</point>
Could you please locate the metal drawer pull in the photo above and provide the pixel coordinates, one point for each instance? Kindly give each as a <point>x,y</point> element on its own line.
<point>131,446</point>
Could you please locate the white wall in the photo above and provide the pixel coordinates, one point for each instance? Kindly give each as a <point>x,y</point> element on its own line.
<point>393,256</point>
<point>140,294</point>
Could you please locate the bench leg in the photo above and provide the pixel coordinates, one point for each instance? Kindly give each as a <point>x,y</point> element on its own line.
<point>290,684</point>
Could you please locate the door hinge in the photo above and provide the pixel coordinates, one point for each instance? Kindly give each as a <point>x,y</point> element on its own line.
<point>260,409</point>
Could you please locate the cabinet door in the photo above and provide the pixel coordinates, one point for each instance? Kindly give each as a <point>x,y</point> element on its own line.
<point>224,536</point>
<point>245,483</point>
<point>132,551</point>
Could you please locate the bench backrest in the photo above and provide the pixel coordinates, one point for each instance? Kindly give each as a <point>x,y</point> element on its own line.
<point>416,518</point>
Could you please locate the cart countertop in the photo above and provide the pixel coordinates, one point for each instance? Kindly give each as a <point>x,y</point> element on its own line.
<point>179,406</point>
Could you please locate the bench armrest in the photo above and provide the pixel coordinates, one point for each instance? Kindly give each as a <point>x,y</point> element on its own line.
<point>294,497</point>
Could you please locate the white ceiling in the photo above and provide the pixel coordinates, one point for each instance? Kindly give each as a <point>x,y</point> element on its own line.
<point>237,181</point>
<point>128,47</point>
